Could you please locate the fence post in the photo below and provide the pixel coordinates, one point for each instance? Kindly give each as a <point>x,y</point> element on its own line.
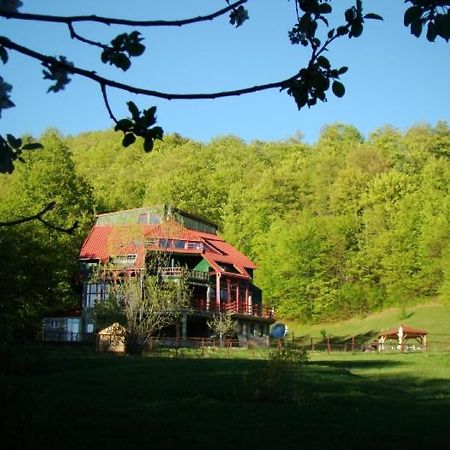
<point>328,345</point>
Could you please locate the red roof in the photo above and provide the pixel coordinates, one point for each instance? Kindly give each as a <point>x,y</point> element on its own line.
<point>104,241</point>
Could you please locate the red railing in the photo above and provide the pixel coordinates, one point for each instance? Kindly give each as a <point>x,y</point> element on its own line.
<point>236,307</point>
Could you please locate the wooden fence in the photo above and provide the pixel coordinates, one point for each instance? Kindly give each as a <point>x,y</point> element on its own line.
<point>435,342</point>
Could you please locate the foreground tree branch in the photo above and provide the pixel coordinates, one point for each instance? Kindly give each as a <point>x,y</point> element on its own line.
<point>44,59</point>
<point>40,218</point>
<point>312,83</point>
<point>69,20</point>
<point>307,86</point>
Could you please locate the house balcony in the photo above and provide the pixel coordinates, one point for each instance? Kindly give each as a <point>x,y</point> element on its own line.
<point>192,275</point>
<point>235,308</point>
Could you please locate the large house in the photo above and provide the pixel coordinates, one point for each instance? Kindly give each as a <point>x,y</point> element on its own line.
<point>220,277</point>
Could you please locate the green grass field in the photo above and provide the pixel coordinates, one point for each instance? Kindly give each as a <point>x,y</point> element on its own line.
<point>70,397</point>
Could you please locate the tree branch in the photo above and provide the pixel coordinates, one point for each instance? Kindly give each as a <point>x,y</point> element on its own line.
<point>136,90</point>
<point>75,35</point>
<point>39,217</point>
<point>108,107</point>
<point>69,230</point>
<point>112,21</point>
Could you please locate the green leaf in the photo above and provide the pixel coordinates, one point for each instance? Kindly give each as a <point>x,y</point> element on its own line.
<point>305,23</point>
<point>300,94</point>
<point>323,62</point>
<point>342,70</point>
<point>416,28</point>
<point>238,16</point>
<point>7,157</point>
<point>324,20</point>
<point>341,31</point>
<point>442,25</point>
<point>32,146</point>
<point>158,133</point>
<point>119,41</point>
<point>356,29</point>
<point>121,61</point>
<point>123,125</point>
<point>431,32</point>
<point>133,110</point>
<point>148,144</point>
<point>106,55</point>
<point>325,8</point>
<point>412,14</point>
<point>3,55</point>
<point>350,15</point>
<point>128,139</point>
<point>14,142</point>
<point>373,16</point>
<point>338,89</point>
<point>149,117</point>
<point>135,49</point>
<point>320,81</point>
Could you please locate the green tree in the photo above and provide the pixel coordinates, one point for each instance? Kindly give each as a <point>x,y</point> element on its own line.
<point>41,260</point>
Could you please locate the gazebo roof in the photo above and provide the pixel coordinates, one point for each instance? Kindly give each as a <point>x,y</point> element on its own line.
<point>408,332</point>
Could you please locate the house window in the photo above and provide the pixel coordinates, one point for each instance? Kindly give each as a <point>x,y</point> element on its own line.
<point>143,219</point>
<point>230,268</point>
<point>94,292</point>
<point>180,244</point>
<point>166,243</point>
<point>155,219</point>
<point>53,324</point>
<point>194,245</point>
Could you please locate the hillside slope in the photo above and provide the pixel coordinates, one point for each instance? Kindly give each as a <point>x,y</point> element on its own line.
<point>433,317</point>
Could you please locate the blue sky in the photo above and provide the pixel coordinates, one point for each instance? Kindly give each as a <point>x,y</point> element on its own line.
<point>394,78</point>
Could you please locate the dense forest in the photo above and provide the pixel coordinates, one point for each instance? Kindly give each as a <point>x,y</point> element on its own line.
<point>344,227</point>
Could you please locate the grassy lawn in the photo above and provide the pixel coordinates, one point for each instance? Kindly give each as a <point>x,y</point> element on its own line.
<point>69,397</point>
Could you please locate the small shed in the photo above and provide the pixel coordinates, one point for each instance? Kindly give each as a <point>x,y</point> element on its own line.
<point>401,335</point>
<point>111,339</point>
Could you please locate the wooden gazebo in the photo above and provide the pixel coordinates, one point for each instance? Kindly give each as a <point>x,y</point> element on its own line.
<point>401,335</point>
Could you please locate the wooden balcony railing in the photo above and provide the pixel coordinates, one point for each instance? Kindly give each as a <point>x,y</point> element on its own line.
<point>243,308</point>
<point>179,271</point>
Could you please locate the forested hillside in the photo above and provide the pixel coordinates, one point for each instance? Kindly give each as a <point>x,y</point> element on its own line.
<point>340,228</point>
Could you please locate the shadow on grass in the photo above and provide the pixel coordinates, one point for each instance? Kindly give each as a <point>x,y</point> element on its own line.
<point>88,401</point>
<point>357,362</point>
<point>357,341</point>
